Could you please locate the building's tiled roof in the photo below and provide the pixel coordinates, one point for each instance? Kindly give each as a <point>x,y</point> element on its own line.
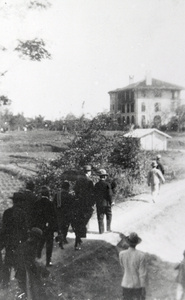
<point>139,133</point>
<point>156,84</point>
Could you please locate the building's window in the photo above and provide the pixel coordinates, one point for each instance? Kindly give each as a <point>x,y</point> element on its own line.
<point>143,94</point>
<point>123,120</point>
<point>157,93</point>
<point>132,107</point>
<point>128,120</point>
<point>157,107</point>
<point>143,121</point>
<point>128,106</point>
<point>143,106</point>
<point>174,94</point>
<point>132,95</point>
<point>133,120</point>
<point>113,107</point>
<point>119,120</point>
<point>123,108</point>
<point>127,95</point>
<point>119,104</point>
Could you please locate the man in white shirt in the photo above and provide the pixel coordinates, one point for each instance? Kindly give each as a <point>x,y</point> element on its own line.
<point>133,263</point>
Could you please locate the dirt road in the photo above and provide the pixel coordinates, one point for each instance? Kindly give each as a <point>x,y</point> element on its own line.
<point>161,225</point>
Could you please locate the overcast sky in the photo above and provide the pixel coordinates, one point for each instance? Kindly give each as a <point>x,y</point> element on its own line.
<point>95,46</point>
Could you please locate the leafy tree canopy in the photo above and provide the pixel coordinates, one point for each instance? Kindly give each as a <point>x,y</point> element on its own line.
<point>33,49</point>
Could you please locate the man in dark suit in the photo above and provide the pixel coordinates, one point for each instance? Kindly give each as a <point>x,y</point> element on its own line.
<point>45,220</point>
<point>14,232</point>
<point>84,192</point>
<point>30,199</point>
<point>103,197</point>
<point>63,205</point>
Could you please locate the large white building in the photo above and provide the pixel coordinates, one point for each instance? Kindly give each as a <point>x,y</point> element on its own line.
<point>145,103</point>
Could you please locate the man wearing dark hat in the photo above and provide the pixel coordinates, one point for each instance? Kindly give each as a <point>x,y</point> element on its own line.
<point>133,263</point>
<point>44,218</point>
<point>14,232</point>
<point>84,189</point>
<point>103,198</point>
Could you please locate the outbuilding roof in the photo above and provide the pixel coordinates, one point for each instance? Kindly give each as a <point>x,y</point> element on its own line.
<point>155,84</point>
<point>139,133</point>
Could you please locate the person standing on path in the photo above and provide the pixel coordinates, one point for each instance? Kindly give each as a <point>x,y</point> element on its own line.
<point>133,264</point>
<point>30,199</point>
<point>29,272</point>
<point>14,232</point>
<point>84,191</point>
<point>63,205</point>
<point>103,198</point>
<point>159,164</point>
<point>45,220</point>
<point>155,177</point>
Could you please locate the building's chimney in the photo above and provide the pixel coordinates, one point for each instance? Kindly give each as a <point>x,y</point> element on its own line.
<point>148,78</point>
<point>131,79</point>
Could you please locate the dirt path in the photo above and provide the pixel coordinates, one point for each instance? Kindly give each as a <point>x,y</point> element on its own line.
<point>161,225</point>
<point>162,228</point>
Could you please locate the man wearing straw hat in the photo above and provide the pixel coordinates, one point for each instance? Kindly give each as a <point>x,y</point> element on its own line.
<point>133,263</point>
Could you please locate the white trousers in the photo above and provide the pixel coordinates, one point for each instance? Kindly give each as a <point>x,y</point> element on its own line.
<point>155,191</point>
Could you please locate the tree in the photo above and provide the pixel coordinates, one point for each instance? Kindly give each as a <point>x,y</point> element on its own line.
<point>4,100</point>
<point>33,49</point>
<point>39,122</point>
<point>39,4</point>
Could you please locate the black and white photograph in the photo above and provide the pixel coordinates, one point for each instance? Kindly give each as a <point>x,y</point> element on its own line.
<point>92,150</point>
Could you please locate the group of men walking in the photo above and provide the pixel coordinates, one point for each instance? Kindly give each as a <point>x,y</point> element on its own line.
<point>32,221</point>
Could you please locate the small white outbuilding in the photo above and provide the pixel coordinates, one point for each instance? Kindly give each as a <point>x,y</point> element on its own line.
<point>150,138</point>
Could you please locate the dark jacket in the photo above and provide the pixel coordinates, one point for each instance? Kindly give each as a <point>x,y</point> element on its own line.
<point>44,216</point>
<point>63,206</point>
<point>103,194</point>
<point>14,227</point>
<point>84,191</point>
<point>28,206</point>
<point>160,167</point>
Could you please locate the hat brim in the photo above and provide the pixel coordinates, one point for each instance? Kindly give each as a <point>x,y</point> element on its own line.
<point>133,243</point>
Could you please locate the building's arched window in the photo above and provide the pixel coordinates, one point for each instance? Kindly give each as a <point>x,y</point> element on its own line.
<point>132,107</point>
<point>123,108</point>
<point>128,120</point>
<point>132,120</point>
<point>143,106</point>
<point>157,107</point>
<point>157,121</point>
<point>119,120</point>
<point>123,120</point>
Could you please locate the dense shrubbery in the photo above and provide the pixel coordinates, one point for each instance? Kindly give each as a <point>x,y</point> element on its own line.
<point>121,157</point>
